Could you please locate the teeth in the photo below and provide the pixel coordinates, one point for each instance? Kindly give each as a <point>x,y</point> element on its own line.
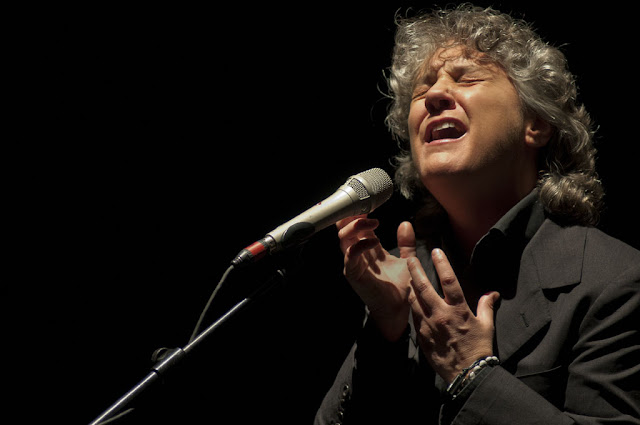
<point>444,125</point>
<point>446,130</point>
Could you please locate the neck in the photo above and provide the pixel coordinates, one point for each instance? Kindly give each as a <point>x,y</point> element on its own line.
<point>471,215</point>
<point>471,222</point>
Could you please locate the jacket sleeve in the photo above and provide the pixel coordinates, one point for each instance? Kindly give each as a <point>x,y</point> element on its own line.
<point>603,374</point>
<point>379,383</point>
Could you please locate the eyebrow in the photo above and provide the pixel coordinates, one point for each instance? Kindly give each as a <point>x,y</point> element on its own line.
<point>454,65</point>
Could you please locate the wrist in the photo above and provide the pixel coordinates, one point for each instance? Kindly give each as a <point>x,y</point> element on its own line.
<point>391,327</point>
<point>468,374</point>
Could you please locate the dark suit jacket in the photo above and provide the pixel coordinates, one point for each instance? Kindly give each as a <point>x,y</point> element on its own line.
<point>567,336</point>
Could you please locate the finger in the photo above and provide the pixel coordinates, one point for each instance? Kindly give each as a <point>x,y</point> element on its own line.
<point>423,298</point>
<point>356,259</point>
<point>342,223</point>
<point>486,308</point>
<point>417,311</point>
<point>360,224</point>
<point>357,229</point>
<point>406,240</point>
<point>451,289</point>
<point>360,247</point>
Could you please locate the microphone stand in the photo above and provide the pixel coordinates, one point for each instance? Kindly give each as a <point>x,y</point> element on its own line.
<point>167,358</point>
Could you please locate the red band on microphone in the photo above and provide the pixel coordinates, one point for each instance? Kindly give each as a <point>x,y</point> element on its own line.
<point>257,250</point>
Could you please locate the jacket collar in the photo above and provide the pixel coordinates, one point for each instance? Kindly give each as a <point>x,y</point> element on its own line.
<point>551,260</point>
<point>558,254</point>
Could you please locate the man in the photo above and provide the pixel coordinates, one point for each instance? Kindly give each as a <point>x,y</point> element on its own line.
<point>507,307</point>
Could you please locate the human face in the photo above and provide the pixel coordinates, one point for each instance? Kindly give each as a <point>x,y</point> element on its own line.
<point>466,124</point>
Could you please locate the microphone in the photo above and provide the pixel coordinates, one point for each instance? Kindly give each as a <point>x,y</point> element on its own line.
<point>360,194</point>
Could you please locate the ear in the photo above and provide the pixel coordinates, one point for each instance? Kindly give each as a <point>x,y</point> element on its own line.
<point>538,132</point>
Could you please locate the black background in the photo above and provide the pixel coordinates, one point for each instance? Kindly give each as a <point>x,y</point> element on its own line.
<point>174,136</point>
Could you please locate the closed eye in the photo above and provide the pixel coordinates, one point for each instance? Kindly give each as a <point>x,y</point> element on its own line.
<point>469,81</point>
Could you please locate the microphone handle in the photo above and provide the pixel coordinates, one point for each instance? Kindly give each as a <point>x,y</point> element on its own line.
<point>344,203</point>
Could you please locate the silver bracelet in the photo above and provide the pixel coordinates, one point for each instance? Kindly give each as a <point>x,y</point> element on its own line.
<point>462,379</point>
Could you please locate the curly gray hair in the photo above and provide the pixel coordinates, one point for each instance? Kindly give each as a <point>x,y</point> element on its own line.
<point>568,185</point>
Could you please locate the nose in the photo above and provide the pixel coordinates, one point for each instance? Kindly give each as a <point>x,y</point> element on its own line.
<point>439,98</point>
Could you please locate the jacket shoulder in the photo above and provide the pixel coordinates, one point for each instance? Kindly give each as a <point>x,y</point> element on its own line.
<point>569,254</point>
<point>604,254</point>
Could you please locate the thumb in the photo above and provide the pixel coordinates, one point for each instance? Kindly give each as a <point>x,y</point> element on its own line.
<point>406,240</point>
<point>486,307</point>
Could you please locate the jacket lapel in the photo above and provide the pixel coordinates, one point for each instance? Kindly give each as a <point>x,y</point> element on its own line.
<point>552,259</point>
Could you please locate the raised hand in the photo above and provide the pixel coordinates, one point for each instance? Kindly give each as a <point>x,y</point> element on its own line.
<point>449,334</point>
<point>379,278</point>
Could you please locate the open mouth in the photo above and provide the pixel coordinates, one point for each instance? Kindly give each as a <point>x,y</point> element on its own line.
<point>446,130</point>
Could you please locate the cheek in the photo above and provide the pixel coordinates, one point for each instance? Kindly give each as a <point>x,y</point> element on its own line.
<point>497,117</point>
<point>417,114</point>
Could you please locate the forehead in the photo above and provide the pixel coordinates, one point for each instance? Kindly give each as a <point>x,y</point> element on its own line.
<point>456,54</point>
<point>454,57</point>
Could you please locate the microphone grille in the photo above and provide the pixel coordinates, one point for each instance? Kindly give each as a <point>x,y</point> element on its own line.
<point>359,188</point>
<point>378,181</point>
<point>373,186</point>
